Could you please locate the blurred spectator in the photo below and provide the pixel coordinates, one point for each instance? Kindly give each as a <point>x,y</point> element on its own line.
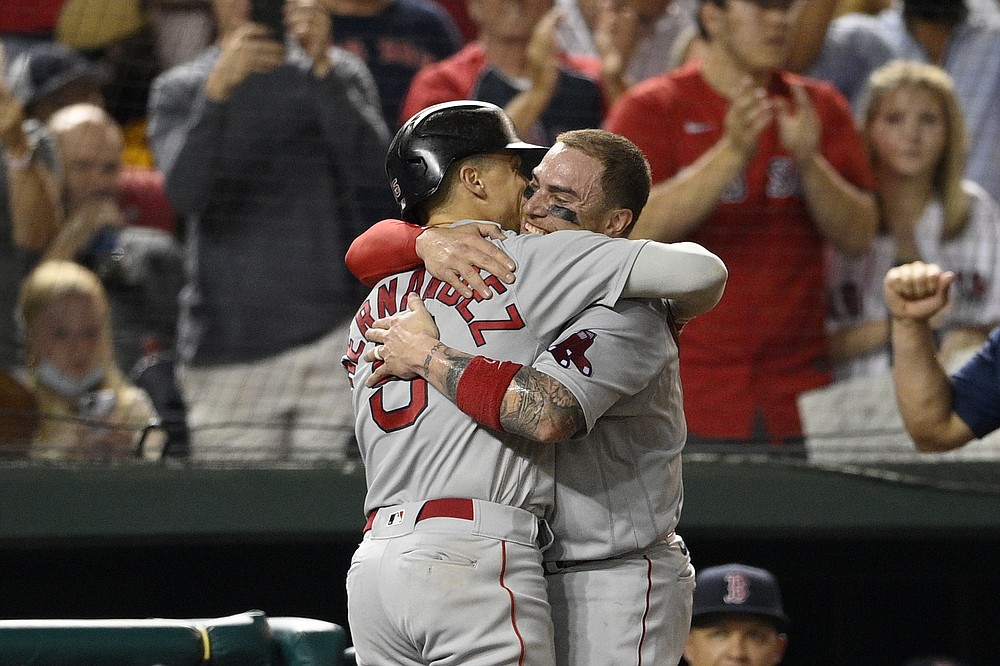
<point>761,167</point>
<point>182,28</point>
<point>459,11</point>
<point>634,39</point>
<point>50,76</point>
<point>90,155</point>
<point>30,213</point>
<point>517,64</point>
<point>737,618</point>
<point>915,134</point>
<point>119,35</point>
<point>269,150</point>
<point>24,24</point>
<point>394,38</point>
<point>140,266</point>
<point>88,25</point>
<point>942,32</point>
<point>89,411</point>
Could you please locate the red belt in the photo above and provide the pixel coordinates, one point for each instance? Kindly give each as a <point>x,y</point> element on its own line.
<point>446,507</point>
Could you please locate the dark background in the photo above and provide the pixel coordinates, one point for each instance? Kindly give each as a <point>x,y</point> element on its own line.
<point>865,601</point>
<point>876,564</point>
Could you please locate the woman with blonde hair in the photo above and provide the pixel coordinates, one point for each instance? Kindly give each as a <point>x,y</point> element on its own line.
<point>89,410</point>
<point>914,128</point>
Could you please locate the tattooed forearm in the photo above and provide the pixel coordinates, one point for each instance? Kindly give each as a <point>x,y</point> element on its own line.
<point>535,406</point>
<point>430,355</point>
<point>541,408</point>
<point>457,362</point>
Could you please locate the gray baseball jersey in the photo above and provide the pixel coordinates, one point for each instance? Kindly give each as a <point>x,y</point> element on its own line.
<point>618,488</point>
<point>410,589</point>
<point>620,584</point>
<point>415,443</point>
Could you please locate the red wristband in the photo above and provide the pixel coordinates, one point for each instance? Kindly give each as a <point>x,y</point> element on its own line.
<point>481,389</point>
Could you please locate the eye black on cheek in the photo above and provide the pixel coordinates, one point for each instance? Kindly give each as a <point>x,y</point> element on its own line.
<point>563,213</point>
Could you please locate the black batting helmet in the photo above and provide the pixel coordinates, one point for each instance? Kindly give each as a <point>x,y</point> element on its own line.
<point>433,139</point>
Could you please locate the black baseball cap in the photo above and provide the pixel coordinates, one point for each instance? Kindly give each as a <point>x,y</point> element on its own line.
<point>737,589</point>
<point>44,68</point>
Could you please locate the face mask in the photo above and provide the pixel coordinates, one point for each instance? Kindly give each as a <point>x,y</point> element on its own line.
<point>64,385</point>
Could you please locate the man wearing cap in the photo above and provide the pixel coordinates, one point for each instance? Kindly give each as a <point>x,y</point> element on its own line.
<point>737,618</point>
<point>49,76</point>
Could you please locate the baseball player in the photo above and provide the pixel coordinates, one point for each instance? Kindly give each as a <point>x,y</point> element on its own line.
<point>450,565</point>
<point>620,579</point>
<point>738,618</point>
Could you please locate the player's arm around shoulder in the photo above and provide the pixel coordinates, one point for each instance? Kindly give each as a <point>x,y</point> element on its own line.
<point>500,395</point>
<point>692,278</point>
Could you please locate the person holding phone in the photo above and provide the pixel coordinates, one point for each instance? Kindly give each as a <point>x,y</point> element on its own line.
<point>274,154</point>
<point>761,167</point>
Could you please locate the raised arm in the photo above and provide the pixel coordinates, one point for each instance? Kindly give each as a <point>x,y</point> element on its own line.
<point>187,112</point>
<point>504,396</point>
<point>810,32</point>
<point>914,293</point>
<point>35,207</point>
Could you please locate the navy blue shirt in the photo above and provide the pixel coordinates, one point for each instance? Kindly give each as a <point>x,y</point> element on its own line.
<point>976,388</point>
<point>397,42</point>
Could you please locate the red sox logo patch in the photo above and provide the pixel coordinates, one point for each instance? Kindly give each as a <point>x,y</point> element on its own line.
<point>737,589</point>
<point>573,350</point>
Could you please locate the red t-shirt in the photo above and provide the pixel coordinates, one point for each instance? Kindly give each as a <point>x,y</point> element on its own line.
<point>764,343</point>
<point>26,17</point>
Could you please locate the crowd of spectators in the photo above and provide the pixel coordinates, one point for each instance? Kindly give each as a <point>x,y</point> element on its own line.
<point>211,173</point>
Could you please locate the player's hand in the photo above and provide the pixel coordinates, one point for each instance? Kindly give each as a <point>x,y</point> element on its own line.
<point>798,128</point>
<point>916,291</point>
<point>250,49</point>
<point>310,24</point>
<point>403,343</point>
<point>456,254</point>
<point>750,112</point>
